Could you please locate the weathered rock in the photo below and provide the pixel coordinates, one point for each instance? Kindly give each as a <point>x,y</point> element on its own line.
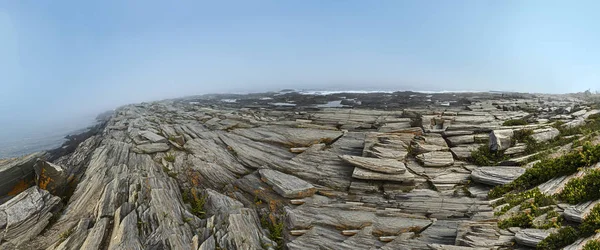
<point>16,174</point>
<point>389,166</point>
<point>496,175</point>
<point>460,140</point>
<point>424,144</point>
<point>151,148</point>
<point>365,174</point>
<point>531,237</point>
<point>288,186</point>
<point>50,177</point>
<point>500,139</point>
<point>293,137</point>
<point>436,159</point>
<point>464,151</point>
<point>542,135</point>
<point>24,216</point>
<point>577,213</point>
<point>153,137</point>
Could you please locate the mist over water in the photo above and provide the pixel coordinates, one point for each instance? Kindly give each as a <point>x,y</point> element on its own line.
<point>22,139</point>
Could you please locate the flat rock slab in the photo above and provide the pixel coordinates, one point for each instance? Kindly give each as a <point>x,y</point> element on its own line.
<point>461,139</point>
<point>288,186</point>
<point>531,237</point>
<point>388,166</point>
<point>365,174</point>
<point>153,137</point>
<point>496,175</point>
<point>151,148</point>
<point>436,159</point>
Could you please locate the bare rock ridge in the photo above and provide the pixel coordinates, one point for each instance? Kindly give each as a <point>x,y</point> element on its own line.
<point>385,171</point>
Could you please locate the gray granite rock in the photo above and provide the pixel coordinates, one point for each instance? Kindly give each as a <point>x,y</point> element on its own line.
<point>151,148</point>
<point>24,216</point>
<point>531,237</point>
<point>15,170</point>
<point>288,186</point>
<point>542,135</point>
<point>496,175</point>
<point>388,166</point>
<point>436,159</point>
<point>501,139</point>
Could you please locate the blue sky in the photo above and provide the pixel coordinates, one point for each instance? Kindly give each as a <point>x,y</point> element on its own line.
<point>61,59</point>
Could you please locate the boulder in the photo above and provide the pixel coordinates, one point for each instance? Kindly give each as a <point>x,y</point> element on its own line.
<point>500,139</point>
<point>50,177</point>
<point>545,134</point>
<point>288,186</point>
<point>496,175</point>
<point>389,166</point>
<point>436,159</point>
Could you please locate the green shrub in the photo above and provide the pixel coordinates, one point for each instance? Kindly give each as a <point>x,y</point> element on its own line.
<point>523,220</point>
<point>540,199</point>
<point>515,122</point>
<point>582,189</point>
<point>485,157</point>
<point>591,223</point>
<point>169,157</point>
<point>550,168</point>
<point>592,245</point>
<point>564,237</point>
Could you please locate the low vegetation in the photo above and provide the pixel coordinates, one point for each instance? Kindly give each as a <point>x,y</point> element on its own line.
<point>275,226</point>
<point>564,237</point>
<point>551,168</point>
<point>592,245</point>
<point>515,122</point>
<point>196,201</point>
<point>582,189</point>
<point>532,204</point>
<point>486,157</point>
<point>169,157</point>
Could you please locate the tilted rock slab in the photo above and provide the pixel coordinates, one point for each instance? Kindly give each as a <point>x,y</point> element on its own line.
<point>388,166</point>
<point>24,216</point>
<point>288,186</point>
<point>531,237</point>
<point>496,175</point>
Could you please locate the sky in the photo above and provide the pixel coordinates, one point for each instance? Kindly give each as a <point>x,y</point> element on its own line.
<point>60,60</point>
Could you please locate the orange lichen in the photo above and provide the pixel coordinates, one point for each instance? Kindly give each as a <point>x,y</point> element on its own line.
<point>19,187</point>
<point>44,180</point>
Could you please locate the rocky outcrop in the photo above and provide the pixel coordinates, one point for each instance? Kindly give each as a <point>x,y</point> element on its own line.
<point>202,173</point>
<point>17,174</point>
<point>24,216</point>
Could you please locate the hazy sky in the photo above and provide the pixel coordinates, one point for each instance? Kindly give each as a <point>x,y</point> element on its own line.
<point>65,58</point>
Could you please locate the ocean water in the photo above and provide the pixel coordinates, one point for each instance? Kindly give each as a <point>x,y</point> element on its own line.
<point>22,139</point>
